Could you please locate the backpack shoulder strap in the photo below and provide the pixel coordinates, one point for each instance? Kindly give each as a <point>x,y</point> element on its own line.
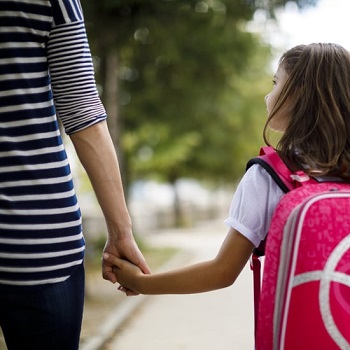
<point>287,181</point>
<point>274,165</point>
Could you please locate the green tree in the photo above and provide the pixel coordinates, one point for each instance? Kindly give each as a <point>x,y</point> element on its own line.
<point>183,83</point>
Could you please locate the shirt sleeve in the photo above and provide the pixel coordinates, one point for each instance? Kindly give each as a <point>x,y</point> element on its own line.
<point>71,69</point>
<point>253,204</point>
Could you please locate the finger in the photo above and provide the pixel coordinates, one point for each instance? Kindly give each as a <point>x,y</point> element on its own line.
<point>110,259</point>
<point>144,267</point>
<point>131,293</point>
<point>109,276</point>
<point>127,291</point>
<point>122,289</point>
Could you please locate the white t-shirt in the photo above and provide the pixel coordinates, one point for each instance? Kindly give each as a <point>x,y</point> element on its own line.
<point>253,204</point>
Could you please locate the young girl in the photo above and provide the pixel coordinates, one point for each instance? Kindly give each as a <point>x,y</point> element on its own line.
<point>310,105</point>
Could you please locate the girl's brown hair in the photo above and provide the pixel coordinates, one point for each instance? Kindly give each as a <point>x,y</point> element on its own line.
<point>317,93</point>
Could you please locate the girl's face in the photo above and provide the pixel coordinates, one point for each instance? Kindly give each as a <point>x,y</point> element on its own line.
<point>280,120</point>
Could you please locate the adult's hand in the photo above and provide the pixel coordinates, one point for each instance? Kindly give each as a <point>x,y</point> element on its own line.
<point>125,248</point>
<point>97,154</point>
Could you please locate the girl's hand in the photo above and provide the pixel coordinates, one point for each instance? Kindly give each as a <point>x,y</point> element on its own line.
<point>127,274</point>
<point>125,248</point>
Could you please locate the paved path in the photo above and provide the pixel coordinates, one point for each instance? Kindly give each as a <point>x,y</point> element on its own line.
<point>219,320</point>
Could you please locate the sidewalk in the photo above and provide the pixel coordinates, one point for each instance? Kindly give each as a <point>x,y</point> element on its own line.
<point>221,319</point>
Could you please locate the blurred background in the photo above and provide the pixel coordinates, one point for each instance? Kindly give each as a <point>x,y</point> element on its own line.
<point>183,83</point>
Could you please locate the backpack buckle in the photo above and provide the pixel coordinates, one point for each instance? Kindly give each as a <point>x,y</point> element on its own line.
<point>300,176</point>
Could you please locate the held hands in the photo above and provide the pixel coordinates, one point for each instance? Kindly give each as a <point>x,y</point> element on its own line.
<point>127,274</point>
<point>124,248</point>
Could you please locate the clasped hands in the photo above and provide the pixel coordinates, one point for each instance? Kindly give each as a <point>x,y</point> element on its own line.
<point>126,273</point>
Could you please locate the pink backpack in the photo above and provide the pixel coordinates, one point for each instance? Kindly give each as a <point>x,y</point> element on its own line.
<point>304,302</point>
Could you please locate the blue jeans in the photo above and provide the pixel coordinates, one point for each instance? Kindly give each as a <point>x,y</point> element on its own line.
<point>43,318</point>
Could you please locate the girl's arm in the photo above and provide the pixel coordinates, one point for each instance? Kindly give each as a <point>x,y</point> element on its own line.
<point>218,273</point>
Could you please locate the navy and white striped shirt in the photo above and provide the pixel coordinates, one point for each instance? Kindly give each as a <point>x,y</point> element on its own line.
<point>45,71</point>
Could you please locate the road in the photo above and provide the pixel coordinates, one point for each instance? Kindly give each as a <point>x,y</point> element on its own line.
<point>218,320</point>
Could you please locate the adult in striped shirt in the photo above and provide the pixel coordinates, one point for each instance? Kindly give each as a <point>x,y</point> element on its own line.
<point>46,72</point>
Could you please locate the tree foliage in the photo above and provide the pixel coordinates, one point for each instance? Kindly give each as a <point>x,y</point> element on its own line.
<point>191,83</point>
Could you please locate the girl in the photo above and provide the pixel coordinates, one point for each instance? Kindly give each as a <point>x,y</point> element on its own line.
<point>310,105</point>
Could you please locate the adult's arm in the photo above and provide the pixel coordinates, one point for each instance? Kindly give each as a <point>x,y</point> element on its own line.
<point>96,152</point>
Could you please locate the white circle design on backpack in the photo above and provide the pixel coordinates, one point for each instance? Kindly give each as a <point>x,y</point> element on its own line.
<point>329,275</point>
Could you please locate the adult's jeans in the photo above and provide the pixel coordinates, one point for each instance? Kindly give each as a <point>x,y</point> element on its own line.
<point>43,318</point>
